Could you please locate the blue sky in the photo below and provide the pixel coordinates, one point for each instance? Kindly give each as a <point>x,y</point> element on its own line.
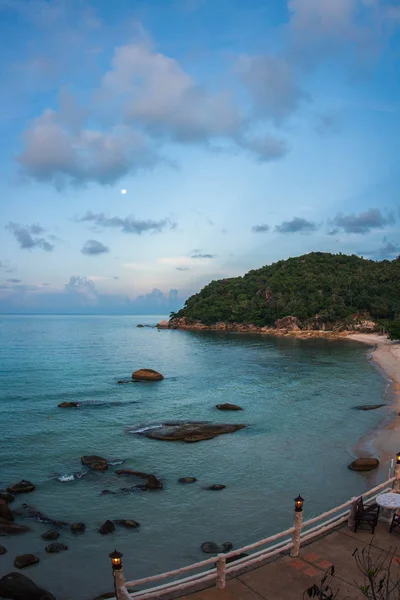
<point>242,132</point>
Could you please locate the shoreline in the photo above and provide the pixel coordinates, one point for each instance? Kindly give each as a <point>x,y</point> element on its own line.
<point>384,440</point>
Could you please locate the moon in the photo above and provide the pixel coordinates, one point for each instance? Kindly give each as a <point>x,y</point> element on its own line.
<point>123,191</point>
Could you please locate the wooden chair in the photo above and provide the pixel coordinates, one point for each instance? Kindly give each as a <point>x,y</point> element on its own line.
<point>366,515</point>
<point>395,521</point>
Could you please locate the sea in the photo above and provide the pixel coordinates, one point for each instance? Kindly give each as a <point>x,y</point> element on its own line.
<point>298,398</point>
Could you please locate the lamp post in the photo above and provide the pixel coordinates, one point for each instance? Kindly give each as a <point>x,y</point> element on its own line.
<point>396,482</point>
<point>118,572</point>
<point>297,524</point>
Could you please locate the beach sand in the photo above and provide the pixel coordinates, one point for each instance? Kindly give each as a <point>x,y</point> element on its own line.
<point>384,441</point>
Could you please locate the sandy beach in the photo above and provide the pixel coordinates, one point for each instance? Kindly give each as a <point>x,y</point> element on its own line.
<point>384,441</point>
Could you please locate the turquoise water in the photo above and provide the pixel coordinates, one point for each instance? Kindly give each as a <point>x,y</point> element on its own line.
<point>297,397</point>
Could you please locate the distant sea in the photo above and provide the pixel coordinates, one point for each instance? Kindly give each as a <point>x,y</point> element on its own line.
<point>297,397</point>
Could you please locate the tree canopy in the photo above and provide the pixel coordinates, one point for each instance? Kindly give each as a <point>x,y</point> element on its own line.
<point>318,286</point>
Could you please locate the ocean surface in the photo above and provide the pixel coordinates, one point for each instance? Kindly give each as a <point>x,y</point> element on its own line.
<point>297,397</point>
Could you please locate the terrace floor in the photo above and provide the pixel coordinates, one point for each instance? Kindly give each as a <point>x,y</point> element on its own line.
<point>288,578</point>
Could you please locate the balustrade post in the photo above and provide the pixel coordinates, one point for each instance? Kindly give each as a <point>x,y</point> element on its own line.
<point>118,574</point>
<point>351,521</point>
<point>297,524</point>
<point>396,482</point>
<point>221,571</point>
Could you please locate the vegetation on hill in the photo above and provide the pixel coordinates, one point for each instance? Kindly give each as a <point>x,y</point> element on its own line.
<point>316,288</point>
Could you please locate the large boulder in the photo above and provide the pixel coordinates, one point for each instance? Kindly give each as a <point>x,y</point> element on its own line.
<point>191,432</point>
<point>56,547</point>
<point>163,324</point>
<point>16,586</point>
<point>96,463</point>
<point>5,511</point>
<point>289,323</point>
<point>147,375</point>
<point>152,482</point>
<point>228,406</point>
<point>107,527</point>
<point>364,464</point>
<point>25,560</point>
<point>52,534</point>
<point>22,487</point>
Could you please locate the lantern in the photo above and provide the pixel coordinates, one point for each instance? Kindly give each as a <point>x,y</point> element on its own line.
<point>116,560</point>
<point>298,503</point>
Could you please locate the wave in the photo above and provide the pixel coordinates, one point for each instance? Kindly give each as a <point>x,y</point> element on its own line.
<point>71,476</point>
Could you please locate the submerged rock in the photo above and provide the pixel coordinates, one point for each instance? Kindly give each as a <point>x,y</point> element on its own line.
<point>107,527</point>
<point>128,523</point>
<point>187,479</point>
<point>368,406</point>
<point>22,487</point>
<point>147,375</point>
<point>56,547</point>
<point>5,511</point>
<point>25,560</point>
<point>96,463</point>
<point>213,548</point>
<point>16,586</point>
<point>191,432</point>
<point>216,487</point>
<point>364,464</point>
<point>52,534</point>
<point>4,495</point>
<point>3,550</point>
<point>78,527</point>
<point>228,406</point>
<point>68,405</point>
<point>12,528</point>
<point>40,517</point>
<point>153,483</point>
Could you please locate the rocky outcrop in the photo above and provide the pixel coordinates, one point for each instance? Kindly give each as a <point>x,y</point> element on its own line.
<point>162,324</point>
<point>52,534</point>
<point>213,548</point>
<point>147,375</point>
<point>152,482</point>
<point>228,406</point>
<point>5,511</point>
<point>289,323</point>
<point>364,464</point>
<point>68,405</point>
<point>22,487</point>
<point>16,586</point>
<point>96,463</point>
<point>25,560</point>
<point>187,479</point>
<point>191,432</point>
<point>56,547</point>
<point>107,527</point>
<point>12,528</point>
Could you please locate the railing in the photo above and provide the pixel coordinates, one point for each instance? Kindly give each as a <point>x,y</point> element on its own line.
<point>218,569</point>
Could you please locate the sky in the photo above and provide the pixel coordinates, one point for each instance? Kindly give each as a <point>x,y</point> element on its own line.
<point>150,147</point>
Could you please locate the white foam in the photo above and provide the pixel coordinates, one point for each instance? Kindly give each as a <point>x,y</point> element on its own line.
<point>66,477</point>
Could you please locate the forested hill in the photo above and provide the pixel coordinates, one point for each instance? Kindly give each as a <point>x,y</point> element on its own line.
<point>317,287</point>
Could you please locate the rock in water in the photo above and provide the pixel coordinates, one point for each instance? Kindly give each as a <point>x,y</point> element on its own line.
<point>6,496</point>
<point>187,479</point>
<point>18,587</point>
<point>107,527</point>
<point>25,560</point>
<point>128,523</point>
<point>228,406</point>
<point>147,375</point>
<point>213,548</point>
<point>217,487</point>
<point>12,528</point>
<point>78,527</point>
<point>52,534</point>
<point>153,483</point>
<point>364,464</point>
<point>21,488</point>
<point>162,324</point>
<point>5,511</point>
<point>68,405</point>
<point>96,463</point>
<point>368,406</point>
<point>3,550</point>
<point>191,432</point>
<point>56,547</point>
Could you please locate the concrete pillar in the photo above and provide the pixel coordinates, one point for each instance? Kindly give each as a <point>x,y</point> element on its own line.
<point>221,571</point>
<point>351,521</point>
<point>119,581</point>
<point>298,523</point>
